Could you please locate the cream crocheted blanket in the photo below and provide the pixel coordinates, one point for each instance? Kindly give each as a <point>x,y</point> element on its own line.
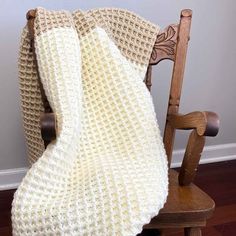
<point>106,173</point>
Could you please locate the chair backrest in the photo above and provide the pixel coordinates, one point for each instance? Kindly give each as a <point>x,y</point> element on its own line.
<point>170,44</point>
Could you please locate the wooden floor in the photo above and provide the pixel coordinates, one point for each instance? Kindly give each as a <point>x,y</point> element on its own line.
<point>218,180</point>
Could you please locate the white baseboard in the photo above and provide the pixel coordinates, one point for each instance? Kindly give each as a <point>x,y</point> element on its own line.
<point>210,154</point>
<point>11,178</point>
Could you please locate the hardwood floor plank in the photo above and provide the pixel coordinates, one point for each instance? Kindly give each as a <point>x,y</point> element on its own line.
<point>5,231</point>
<point>6,199</point>
<point>210,231</point>
<point>223,215</point>
<point>228,229</point>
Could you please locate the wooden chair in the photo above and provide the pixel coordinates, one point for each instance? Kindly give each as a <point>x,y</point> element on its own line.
<point>187,206</point>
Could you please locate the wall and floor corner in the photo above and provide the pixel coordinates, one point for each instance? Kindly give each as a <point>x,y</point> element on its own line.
<point>209,77</point>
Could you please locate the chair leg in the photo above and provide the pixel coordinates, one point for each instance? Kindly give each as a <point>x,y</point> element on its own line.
<point>194,231</point>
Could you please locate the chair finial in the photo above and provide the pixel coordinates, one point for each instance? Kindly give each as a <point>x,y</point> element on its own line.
<point>30,14</point>
<point>186,13</point>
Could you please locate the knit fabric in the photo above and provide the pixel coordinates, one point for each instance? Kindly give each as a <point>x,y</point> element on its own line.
<point>106,173</point>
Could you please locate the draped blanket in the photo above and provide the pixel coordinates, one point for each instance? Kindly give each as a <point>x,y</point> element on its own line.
<point>106,173</point>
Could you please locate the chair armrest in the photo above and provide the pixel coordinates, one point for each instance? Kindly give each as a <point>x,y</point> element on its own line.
<point>206,123</point>
<point>48,125</point>
<point>203,124</point>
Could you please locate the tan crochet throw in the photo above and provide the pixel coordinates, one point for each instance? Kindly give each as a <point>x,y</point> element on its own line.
<point>106,173</point>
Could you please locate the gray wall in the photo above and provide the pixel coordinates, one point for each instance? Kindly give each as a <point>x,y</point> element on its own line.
<point>210,71</point>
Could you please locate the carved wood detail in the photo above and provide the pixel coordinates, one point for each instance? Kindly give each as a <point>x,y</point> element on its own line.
<point>165,45</point>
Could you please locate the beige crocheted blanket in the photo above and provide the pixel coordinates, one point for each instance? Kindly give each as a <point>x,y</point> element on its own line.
<point>106,173</point>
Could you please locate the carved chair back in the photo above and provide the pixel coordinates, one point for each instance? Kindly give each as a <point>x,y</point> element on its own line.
<point>172,44</point>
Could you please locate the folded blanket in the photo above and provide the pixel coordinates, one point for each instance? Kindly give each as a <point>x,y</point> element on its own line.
<point>106,173</point>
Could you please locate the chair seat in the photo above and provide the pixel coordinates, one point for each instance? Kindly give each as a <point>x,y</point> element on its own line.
<point>185,206</point>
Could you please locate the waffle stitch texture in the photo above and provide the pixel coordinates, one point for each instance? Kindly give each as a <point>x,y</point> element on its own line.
<point>106,173</point>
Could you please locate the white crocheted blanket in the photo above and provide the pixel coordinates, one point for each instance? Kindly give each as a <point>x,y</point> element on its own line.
<point>106,173</point>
